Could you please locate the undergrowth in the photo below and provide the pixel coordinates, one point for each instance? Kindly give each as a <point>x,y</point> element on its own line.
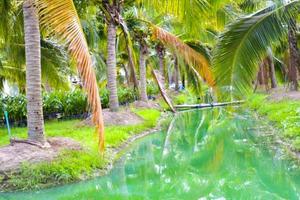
<point>284,114</point>
<point>73,166</point>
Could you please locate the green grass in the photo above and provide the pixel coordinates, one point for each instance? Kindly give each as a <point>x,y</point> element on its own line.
<point>284,114</point>
<point>72,166</point>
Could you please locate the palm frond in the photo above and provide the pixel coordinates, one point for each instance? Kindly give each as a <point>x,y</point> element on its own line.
<point>130,51</point>
<point>201,48</point>
<point>7,10</point>
<point>250,5</point>
<point>2,78</point>
<point>13,75</point>
<point>244,44</point>
<point>192,58</point>
<point>55,65</point>
<point>184,10</point>
<point>61,20</point>
<point>179,8</point>
<point>194,82</point>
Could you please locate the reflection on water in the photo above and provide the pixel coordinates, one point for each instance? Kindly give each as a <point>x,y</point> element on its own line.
<point>210,154</point>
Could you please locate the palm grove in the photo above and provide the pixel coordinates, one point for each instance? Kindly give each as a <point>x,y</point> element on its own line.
<point>231,47</point>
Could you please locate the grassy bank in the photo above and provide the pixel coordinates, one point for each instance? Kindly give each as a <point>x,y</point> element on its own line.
<point>72,166</point>
<point>285,115</point>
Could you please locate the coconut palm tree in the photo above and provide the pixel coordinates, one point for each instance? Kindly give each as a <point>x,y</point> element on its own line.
<point>35,119</point>
<point>243,45</point>
<point>112,9</point>
<point>66,27</point>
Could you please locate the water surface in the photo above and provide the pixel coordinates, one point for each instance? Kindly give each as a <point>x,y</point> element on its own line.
<point>209,154</point>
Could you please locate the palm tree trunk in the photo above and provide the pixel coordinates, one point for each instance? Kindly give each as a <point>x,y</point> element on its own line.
<point>111,67</point>
<point>260,76</point>
<point>162,68</point>
<point>263,74</point>
<point>126,75</point>
<point>294,56</point>
<point>272,72</point>
<point>35,119</point>
<point>161,56</point>
<point>176,74</point>
<point>143,86</point>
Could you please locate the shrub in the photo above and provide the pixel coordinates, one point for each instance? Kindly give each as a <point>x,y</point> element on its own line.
<point>126,95</point>
<point>75,103</point>
<point>52,103</point>
<point>152,89</point>
<point>104,95</point>
<point>16,107</point>
<point>69,104</point>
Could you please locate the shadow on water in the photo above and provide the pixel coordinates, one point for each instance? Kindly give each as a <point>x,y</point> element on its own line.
<point>208,154</point>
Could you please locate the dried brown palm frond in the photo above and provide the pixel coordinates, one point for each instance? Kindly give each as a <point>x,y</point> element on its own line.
<point>192,58</point>
<point>60,19</point>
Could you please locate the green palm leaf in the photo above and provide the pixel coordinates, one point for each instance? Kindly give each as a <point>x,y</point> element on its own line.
<point>244,43</point>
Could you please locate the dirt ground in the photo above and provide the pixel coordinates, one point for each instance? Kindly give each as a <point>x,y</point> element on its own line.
<point>120,118</point>
<point>149,104</point>
<point>12,156</point>
<point>282,94</point>
<point>123,117</point>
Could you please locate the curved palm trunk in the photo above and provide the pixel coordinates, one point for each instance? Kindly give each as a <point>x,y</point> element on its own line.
<point>35,119</point>
<point>294,56</point>
<point>143,86</point>
<point>158,78</point>
<point>111,67</point>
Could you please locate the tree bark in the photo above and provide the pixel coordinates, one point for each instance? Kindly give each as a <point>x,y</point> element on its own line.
<point>35,118</point>
<point>294,56</point>
<point>160,50</point>
<point>176,74</point>
<point>126,75</point>
<point>111,67</point>
<point>143,86</point>
<point>260,76</point>
<point>263,74</point>
<point>272,70</point>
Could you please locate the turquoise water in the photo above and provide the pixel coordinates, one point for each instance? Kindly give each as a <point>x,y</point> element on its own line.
<point>209,154</point>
